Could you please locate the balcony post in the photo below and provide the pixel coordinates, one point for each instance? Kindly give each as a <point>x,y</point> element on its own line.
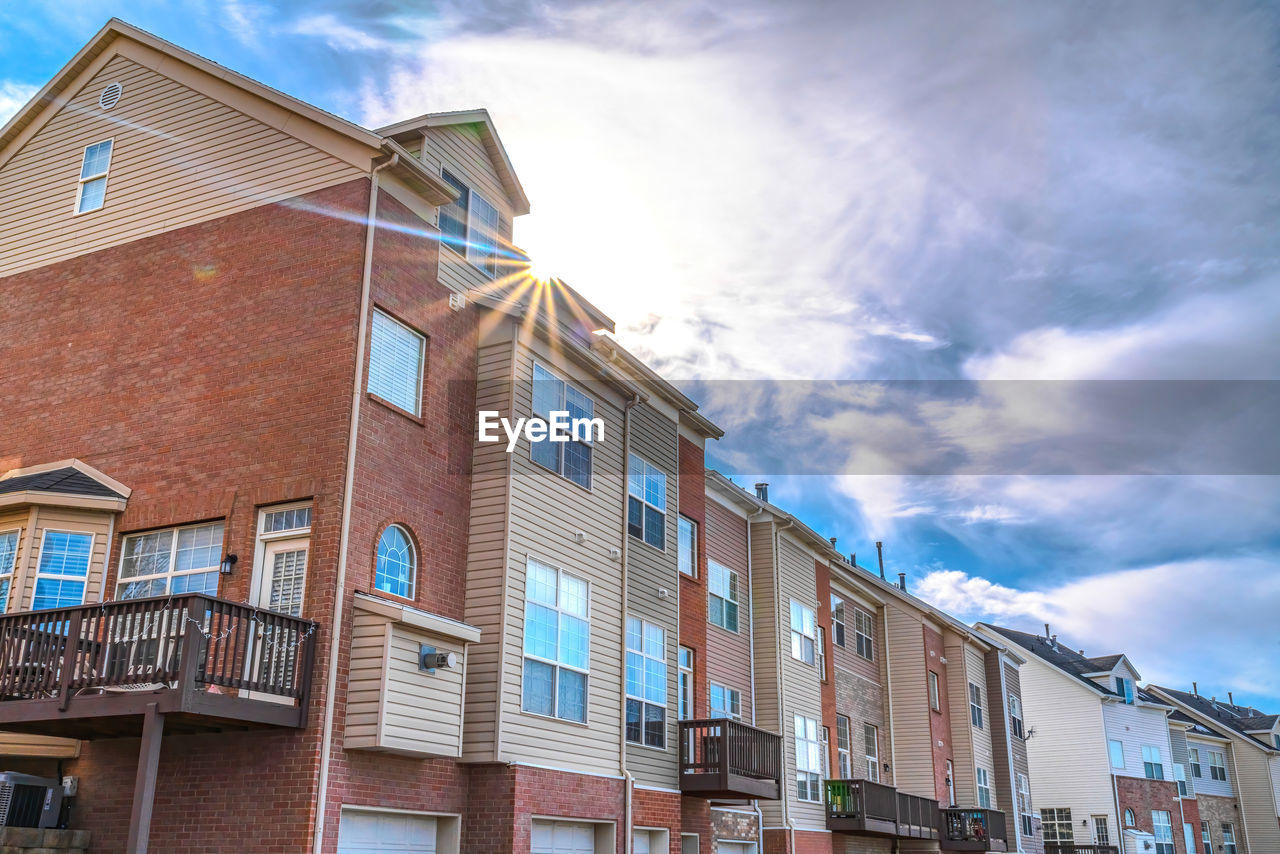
<point>70,658</point>
<point>144,786</point>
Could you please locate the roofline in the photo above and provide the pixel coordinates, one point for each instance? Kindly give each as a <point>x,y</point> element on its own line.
<point>1165,694</point>
<point>688,409</point>
<point>1073,678</point>
<point>72,463</point>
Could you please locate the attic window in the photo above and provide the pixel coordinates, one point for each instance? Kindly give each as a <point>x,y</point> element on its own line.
<point>91,193</point>
<point>110,96</point>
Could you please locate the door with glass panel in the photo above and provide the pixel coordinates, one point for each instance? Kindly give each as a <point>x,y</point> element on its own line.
<point>284,576</point>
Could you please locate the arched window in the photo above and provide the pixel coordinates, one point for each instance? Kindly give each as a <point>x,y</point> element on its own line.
<point>397,563</point>
<point>1129,819</point>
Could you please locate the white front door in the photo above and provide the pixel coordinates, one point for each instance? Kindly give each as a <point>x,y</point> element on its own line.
<point>363,832</point>
<point>284,576</point>
<point>563,837</point>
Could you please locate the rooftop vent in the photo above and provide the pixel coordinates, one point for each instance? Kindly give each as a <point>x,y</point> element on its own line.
<point>110,96</point>
<point>762,491</point>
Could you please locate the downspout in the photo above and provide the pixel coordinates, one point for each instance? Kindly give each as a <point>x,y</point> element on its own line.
<point>755,699</point>
<point>628,782</point>
<point>777,621</point>
<point>366,285</point>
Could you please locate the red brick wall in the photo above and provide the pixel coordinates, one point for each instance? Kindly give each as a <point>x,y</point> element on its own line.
<point>560,794</point>
<point>1142,796</point>
<point>940,721</point>
<point>693,591</point>
<point>658,810</point>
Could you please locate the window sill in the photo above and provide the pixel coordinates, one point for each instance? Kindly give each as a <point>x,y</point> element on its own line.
<point>553,472</point>
<point>661,551</point>
<point>461,256</point>
<point>554,719</point>
<point>734,632</point>
<point>392,597</point>
<point>404,413</point>
<point>648,747</point>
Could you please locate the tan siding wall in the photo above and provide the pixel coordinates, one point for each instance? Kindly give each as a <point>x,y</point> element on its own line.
<point>364,682</point>
<point>983,748</point>
<point>801,686</point>
<point>61,519</point>
<point>179,157</point>
<point>962,731</point>
<point>1256,797</point>
<point>767,645</point>
<point>909,687</point>
<point>654,438</point>
<point>729,654</point>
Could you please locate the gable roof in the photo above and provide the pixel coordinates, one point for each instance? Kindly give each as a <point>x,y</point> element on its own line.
<point>488,135</point>
<point>1067,660</point>
<point>66,482</point>
<point>1194,726</point>
<point>1237,719</point>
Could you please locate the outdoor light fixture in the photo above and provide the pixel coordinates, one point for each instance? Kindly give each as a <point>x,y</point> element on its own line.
<point>228,564</point>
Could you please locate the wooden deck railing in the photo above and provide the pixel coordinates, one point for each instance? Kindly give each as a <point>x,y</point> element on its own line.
<point>727,758</point>
<point>972,825</point>
<point>862,799</point>
<point>1072,848</point>
<point>188,641</point>
<point>919,816</point>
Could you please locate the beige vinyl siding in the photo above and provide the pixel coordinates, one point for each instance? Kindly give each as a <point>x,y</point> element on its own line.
<point>1255,796</point>
<point>654,438</point>
<point>728,654</point>
<point>1205,784</point>
<point>847,656</point>
<point>909,688</point>
<point>546,512</point>
<point>1138,726</point>
<point>364,680</point>
<point>983,746</point>
<point>460,149</point>
<point>96,523</point>
<point>801,686</point>
<point>767,646</point>
<point>963,735</point>
<point>486,548</point>
<point>1068,756</point>
<point>179,157</point>
<point>1178,745</point>
<point>1275,780</point>
<point>997,722</point>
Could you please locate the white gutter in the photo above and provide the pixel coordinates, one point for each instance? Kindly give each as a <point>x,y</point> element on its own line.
<point>366,286</point>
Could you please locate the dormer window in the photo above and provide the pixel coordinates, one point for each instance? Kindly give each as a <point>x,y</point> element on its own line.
<point>470,226</point>
<point>92,192</point>
<point>1124,687</point>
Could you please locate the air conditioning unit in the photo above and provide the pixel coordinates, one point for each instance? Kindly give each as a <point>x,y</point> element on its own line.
<point>27,801</point>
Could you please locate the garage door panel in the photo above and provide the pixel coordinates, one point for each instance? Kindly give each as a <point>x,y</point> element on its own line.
<point>563,837</point>
<point>380,833</point>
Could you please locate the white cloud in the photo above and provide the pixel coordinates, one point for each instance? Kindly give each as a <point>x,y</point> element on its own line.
<point>13,96</point>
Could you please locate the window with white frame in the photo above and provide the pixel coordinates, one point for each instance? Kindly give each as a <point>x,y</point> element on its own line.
<point>556,643</point>
<point>871,744</point>
<point>1015,715</point>
<point>1101,831</point>
<point>684,687</point>
<point>91,193</point>
<point>724,702</point>
<point>1152,763</point>
<point>803,633</point>
<point>1194,754</point>
<point>174,560</point>
<point>984,788</point>
<point>1024,806</point>
<point>646,683</point>
<point>1180,777</point>
<point>935,702</point>
<point>1162,827</point>
<point>63,569</point>
<point>837,620</point>
<point>808,760</point>
<point>844,749</point>
<point>8,561</point>
<point>1057,827</point>
<point>1115,750</point>
<point>1217,765</point>
<point>687,546</point>
<point>722,596</point>
<point>1205,841</point>
<point>1275,739</point>
<point>646,502</point>
<point>571,459</point>
<point>864,628</point>
<point>1124,687</point>
<point>396,567</point>
<point>455,216</point>
<point>1228,838</point>
<point>975,705</point>
<point>470,226</point>
<point>396,355</point>
<point>283,538</point>
<point>1130,818</point>
<point>820,651</point>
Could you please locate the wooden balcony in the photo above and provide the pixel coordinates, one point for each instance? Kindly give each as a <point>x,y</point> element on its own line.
<point>973,830</point>
<point>204,663</point>
<point>1071,848</point>
<point>723,758</point>
<point>874,809</point>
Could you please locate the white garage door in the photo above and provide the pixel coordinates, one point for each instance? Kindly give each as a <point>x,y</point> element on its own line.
<point>723,847</point>
<point>363,832</point>
<point>563,837</point>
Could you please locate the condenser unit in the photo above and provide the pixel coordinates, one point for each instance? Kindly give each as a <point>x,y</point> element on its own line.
<point>27,801</point>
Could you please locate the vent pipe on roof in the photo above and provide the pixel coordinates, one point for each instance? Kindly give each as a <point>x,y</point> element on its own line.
<point>1046,631</point>
<point>833,542</point>
<point>1053,642</point>
<point>1230,698</point>
<point>902,580</point>
<point>1082,653</point>
<point>880,556</point>
<point>1195,689</point>
<point>762,491</point>
<point>853,558</point>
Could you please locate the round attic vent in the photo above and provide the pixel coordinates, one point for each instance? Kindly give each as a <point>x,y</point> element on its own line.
<point>110,96</point>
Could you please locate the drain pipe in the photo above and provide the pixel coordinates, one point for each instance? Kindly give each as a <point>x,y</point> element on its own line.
<point>777,617</point>
<point>362,334</point>
<point>628,782</point>
<point>751,645</point>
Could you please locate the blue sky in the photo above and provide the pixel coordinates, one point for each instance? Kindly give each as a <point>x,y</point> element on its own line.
<point>914,205</point>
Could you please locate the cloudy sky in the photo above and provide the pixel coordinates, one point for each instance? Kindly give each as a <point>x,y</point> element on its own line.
<point>996,283</point>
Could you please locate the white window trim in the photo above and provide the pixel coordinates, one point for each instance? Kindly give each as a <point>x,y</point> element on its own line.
<point>935,691</point>
<point>838,638</point>
<point>664,705</point>
<point>88,573</point>
<point>266,537</point>
<point>976,705</point>
<point>473,230</point>
<point>1110,757</point>
<point>873,759</point>
<point>728,695</point>
<point>1213,765</point>
<point>981,774</point>
<point>413,569</point>
<point>11,572</point>
<point>734,583</point>
<point>693,570</point>
<point>813,638</point>
<point>586,672</point>
<point>644,502</point>
<point>858,616</point>
<point>797,740</point>
<point>559,472</point>
<point>844,755</point>
<point>684,682</point>
<point>422,363</point>
<point>1019,731</point>
<point>121,581</point>
<point>105,176</point>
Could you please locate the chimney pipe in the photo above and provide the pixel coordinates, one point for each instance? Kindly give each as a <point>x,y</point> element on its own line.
<point>833,542</point>
<point>1053,642</point>
<point>902,580</point>
<point>762,491</point>
<point>1046,631</point>
<point>853,558</point>
<point>1195,689</point>
<point>1230,698</point>
<point>880,556</point>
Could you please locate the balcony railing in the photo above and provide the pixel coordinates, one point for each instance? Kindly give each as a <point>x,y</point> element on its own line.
<point>722,758</point>
<point>862,806</point>
<point>191,654</point>
<point>1072,848</point>
<point>973,830</point>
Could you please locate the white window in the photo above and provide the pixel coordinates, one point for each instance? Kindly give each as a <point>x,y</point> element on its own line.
<point>864,628</point>
<point>92,191</point>
<point>1130,819</point>
<point>646,683</point>
<point>725,702</point>
<point>1275,739</point>
<point>470,226</point>
<point>844,751</point>
<point>646,502</point>
<point>1057,826</point>
<point>8,561</point>
<point>283,537</point>
<point>1115,749</point>
<point>1015,715</point>
<point>722,596</point>
<point>687,548</point>
<point>1180,776</point>
<point>837,620</point>
<point>871,744</point>
<point>984,788</point>
<point>1195,761</point>
<point>1228,838</point>
<point>1152,764</point>
<point>1124,687</point>
<point>820,650</point>
<point>63,569</point>
<point>286,520</point>
<point>934,700</point>
<point>1101,832</point>
<point>455,216</point>
<point>1217,765</point>
<point>397,563</point>
<point>571,459</point>
<point>556,643</point>
<point>808,760</point>
<point>395,363</point>
<point>175,560</point>
<point>1204,838</point>
<point>684,692</point>
<point>1024,806</point>
<point>1162,825</point>
<point>803,632</point>
<point>975,705</point>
